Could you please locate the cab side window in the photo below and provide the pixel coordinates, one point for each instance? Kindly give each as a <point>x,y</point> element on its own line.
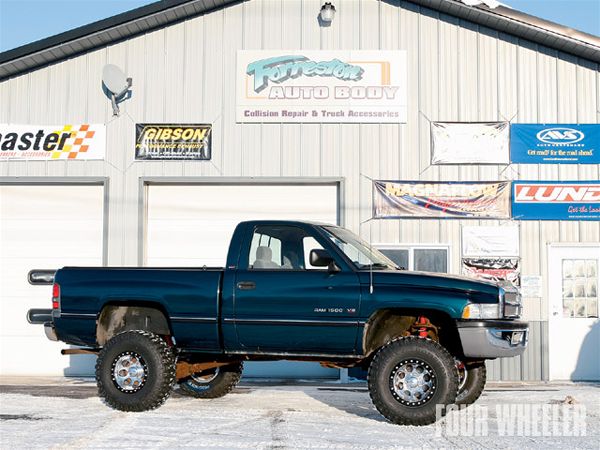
<point>281,247</point>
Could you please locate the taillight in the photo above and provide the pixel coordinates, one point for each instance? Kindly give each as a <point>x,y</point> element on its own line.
<point>55,296</point>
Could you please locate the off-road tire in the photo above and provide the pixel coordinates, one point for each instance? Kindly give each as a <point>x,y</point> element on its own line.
<point>474,385</point>
<point>381,374</point>
<point>159,360</point>
<point>227,378</point>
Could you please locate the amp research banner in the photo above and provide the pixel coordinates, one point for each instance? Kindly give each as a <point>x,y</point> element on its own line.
<point>333,86</point>
<point>53,142</point>
<point>441,200</point>
<point>555,143</point>
<point>154,141</point>
<point>470,143</point>
<point>556,200</point>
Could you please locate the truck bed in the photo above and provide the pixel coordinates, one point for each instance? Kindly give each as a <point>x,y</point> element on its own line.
<point>189,297</point>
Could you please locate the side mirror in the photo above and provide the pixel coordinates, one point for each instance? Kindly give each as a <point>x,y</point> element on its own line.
<point>322,258</point>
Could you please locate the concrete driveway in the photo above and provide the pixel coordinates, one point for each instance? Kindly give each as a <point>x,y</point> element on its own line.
<point>65,413</point>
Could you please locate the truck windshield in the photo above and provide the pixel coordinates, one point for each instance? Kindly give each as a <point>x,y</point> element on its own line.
<point>362,255</point>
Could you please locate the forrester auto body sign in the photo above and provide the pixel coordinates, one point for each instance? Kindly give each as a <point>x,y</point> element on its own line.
<point>554,144</point>
<point>560,200</point>
<point>442,200</point>
<point>321,86</point>
<point>52,142</point>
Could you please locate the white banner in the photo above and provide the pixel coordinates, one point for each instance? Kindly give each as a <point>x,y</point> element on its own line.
<point>481,241</point>
<point>52,142</point>
<point>341,86</point>
<point>470,143</point>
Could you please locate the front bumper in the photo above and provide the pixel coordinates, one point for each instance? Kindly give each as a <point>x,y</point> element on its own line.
<point>493,338</point>
<point>43,317</point>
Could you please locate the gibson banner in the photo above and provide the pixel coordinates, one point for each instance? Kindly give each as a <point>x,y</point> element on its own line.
<point>172,141</point>
<point>556,200</point>
<point>441,200</point>
<point>469,143</point>
<point>493,269</point>
<point>532,143</point>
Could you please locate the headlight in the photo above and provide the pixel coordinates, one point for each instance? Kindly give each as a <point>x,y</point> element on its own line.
<point>482,311</point>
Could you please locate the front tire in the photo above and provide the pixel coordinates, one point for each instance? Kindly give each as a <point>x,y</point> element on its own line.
<point>475,376</point>
<point>213,384</point>
<point>408,377</point>
<point>135,371</point>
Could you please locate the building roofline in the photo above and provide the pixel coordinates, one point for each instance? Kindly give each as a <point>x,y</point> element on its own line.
<point>162,13</point>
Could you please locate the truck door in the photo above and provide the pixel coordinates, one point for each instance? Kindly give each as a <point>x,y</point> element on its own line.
<point>283,304</point>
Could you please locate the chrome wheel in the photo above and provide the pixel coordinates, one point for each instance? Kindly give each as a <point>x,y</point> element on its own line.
<point>412,382</point>
<point>129,372</point>
<point>204,377</point>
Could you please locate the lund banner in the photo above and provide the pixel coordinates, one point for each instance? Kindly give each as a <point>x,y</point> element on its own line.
<point>555,144</point>
<point>303,86</point>
<point>469,143</point>
<point>437,199</point>
<point>493,269</point>
<point>172,141</point>
<point>52,142</point>
<point>556,200</point>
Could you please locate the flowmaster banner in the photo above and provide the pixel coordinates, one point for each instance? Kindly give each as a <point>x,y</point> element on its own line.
<point>437,199</point>
<point>297,86</point>
<point>493,269</point>
<point>172,141</point>
<point>480,241</point>
<point>555,143</point>
<point>556,200</point>
<point>470,143</point>
<point>53,142</point>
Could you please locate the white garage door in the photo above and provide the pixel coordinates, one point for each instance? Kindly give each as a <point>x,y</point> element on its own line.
<point>192,226</point>
<point>43,227</point>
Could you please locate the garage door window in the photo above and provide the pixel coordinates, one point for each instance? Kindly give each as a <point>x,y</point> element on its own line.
<point>422,258</point>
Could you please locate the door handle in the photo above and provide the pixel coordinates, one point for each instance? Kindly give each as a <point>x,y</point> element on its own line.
<point>246,285</point>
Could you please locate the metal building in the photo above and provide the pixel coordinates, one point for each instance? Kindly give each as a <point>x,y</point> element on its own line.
<point>464,64</point>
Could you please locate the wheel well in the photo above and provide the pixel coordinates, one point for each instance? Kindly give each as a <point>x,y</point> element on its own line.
<point>115,319</point>
<point>388,324</point>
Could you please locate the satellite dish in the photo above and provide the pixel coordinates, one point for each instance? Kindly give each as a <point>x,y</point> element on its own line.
<point>117,84</point>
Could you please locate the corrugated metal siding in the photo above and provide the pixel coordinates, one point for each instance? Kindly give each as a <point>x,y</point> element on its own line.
<point>457,71</point>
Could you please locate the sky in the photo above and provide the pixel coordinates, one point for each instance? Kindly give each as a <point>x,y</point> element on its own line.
<point>25,21</point>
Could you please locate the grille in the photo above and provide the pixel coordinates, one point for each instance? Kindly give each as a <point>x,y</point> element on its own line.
<point>512,305</point>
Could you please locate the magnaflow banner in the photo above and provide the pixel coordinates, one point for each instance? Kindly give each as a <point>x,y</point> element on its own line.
<point>297,86</point>
<point>556,200</point>
<point>555,144</point>
<point>469,143</point>
<point>52,142</point>
<point>441,200</point>
<point>155,141</point>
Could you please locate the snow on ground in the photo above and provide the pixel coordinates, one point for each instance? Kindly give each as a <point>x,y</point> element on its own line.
<point>67,414</point>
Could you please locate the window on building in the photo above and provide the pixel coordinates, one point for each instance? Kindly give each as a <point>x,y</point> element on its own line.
<point>425,258</point>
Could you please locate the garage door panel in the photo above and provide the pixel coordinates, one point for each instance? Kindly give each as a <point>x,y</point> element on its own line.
<point>42,227</point>
<point>64,238</point>
<point>42,203</point>
<point>34,356</point>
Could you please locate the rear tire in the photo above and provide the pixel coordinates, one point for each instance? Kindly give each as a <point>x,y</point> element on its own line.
<point>135,371</point>
<point>213,384</point>
<point>408,377</point>
<point>474,384</point>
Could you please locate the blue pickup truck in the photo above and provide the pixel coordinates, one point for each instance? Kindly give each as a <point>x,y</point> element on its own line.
<point>291,290</point>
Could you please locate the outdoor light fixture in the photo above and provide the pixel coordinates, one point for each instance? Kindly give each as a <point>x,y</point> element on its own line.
<point>327,13</point>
